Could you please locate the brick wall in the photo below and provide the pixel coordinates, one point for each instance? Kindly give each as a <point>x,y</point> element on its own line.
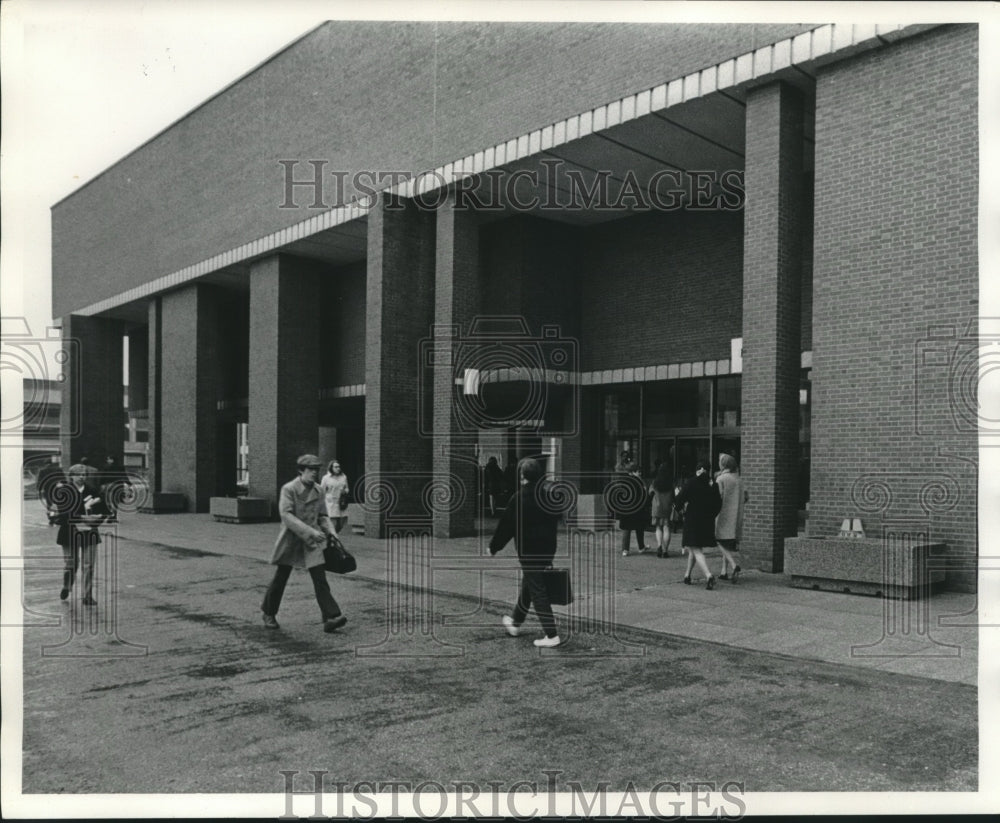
<point>400,310</point>
<point>92,418</point>
<point>458,300</point>
<point>661,288</point>
<point>364,96</point>
<point>896,254</point>
<point>772,304</point>
<point>342,326</point>
<point>188,381</point>
<point>284,350</point>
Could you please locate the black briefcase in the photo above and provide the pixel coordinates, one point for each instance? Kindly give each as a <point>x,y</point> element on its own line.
<point>558,586</point>
<point>336,558</point>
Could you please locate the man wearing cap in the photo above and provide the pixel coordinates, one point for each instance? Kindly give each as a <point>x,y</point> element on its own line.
<point>300,544</point>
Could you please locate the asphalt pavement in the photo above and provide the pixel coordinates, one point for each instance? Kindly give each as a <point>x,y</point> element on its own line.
<point>172,684</point>
<point>936,637</point>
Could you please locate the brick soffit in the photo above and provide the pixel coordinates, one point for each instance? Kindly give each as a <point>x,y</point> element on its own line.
<point>814,48</point>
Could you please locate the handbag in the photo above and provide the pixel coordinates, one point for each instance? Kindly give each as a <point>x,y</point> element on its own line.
<point>336,558</point>
<point>558,587</point>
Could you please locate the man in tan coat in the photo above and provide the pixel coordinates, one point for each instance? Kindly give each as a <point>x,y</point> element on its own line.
<point>304,527</point>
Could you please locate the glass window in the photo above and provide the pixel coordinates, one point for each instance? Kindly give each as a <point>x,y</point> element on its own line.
<point>677,404</point>
<point>728,401</point>
<point>805,435</point>
<point>619,425</point>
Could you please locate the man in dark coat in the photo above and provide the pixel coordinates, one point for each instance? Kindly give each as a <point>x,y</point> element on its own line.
<point>700,502</point>
<point>632,508</point>
<point>533,529</point>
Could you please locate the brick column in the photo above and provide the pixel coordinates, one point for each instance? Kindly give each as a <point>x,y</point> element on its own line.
<point>399,313</point>
<point>457,298</point>
<point>155,392</point>
<point>284,371</point>
<point>187,428</point>
<point>771,320</point>
<point>92,414</point>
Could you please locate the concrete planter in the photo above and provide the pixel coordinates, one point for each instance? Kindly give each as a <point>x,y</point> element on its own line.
<point>240,509</point>
<point>883,568</point>
<point>165,503</point>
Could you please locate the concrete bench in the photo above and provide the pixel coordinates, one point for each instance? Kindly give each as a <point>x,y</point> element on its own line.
<point>164,503</point>
<point>896,568</point>
<point>240,509</point>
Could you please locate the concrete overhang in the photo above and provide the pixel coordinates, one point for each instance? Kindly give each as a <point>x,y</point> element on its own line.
<point>694,123</point>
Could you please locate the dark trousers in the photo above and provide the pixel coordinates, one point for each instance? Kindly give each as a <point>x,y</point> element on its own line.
<point>640,538</point>
<point>82,552</point>
<point>272,599</point>
<point>533,593</point>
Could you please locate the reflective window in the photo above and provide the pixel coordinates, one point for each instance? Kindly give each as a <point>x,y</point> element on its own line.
<point>677,404</point>
<point>728,400</point>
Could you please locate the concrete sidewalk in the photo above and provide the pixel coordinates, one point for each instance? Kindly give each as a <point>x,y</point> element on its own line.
<point>935,638</point>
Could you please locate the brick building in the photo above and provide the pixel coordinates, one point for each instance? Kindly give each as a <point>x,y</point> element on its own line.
<point>672,239</point>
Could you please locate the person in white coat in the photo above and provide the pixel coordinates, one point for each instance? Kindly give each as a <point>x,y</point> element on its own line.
<point>729,522</point>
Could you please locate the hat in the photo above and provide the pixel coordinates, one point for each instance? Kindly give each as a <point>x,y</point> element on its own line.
<point>77,468</point>
<point>309,461</point>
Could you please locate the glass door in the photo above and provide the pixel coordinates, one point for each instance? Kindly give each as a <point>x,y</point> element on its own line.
<point>689,451</point>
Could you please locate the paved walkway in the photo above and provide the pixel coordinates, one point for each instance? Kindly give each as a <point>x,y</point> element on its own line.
<point>935,638</point>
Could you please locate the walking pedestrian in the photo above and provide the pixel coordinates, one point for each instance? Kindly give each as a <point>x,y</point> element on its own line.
<point>533,530</point>
<point>78,510</point>
<point>300,544</point>
<point>632,509</point>
<point>493,482</point>
<point>336,492</point>
<point>729,523</point>
<point>49,477</point>
<point>700,501</point>
<point>662,492</point>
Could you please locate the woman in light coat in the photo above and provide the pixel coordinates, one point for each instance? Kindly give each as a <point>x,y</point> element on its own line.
<point>300,544</point>
<point>335,489</point>
<point>729,523</point>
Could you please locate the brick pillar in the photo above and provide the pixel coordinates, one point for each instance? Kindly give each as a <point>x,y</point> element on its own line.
<point>92,414</point>
<point>154,372</point>
<point>284,371</point>
<point>186,450</point>
<point>771,320</point>
<point>457,298</point>
<point>399,313</point>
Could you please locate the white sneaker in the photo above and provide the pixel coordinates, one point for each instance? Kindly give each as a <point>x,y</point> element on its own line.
<point>508,624</point>
<point>548,642</point>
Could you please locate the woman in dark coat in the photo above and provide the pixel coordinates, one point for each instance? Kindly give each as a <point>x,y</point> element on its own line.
<point>534,530</point>
<point>700,501</point>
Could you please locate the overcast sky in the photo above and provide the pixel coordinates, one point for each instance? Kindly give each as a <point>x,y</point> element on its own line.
<point>85,83</point>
